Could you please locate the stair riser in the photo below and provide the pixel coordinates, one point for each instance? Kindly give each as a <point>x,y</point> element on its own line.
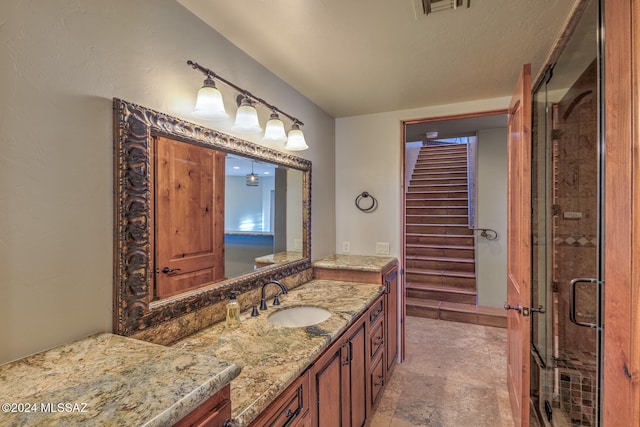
<point>466,283</point>
<point>437,175</point>
<point>436,210</point>
<point>450,163</point>
<point>441,296</point>
<point>442,157</point>
<point>439,240</point>
<point>436,202</point>
<point>441,265</point>
<point>437,220</point>
<point>430,187</point>
<point>441,252</point>
<point>439,229</point>
<point>437,195</point>
<point>442,181</point>
<point>439,168</point>
<point>425,312</point>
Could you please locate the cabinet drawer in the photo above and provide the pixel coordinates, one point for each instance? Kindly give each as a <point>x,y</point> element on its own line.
<point>376,311</point>
<point>214,412</point>
<point>377,339</point>
<point>290,408</point>
<point>377,379</point>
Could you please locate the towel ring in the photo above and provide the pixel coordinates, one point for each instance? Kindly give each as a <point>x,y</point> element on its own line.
<point>366,195</point>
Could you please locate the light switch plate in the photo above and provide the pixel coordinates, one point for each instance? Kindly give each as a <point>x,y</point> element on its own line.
<point>346,246</point>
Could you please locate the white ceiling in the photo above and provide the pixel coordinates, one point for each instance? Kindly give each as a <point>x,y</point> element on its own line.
<point>354,57</point>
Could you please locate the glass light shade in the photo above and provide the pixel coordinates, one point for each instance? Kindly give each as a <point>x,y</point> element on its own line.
<point>295,141</point>
<point>247,118</point>
<point>274,130</point>
<point>209,104</point>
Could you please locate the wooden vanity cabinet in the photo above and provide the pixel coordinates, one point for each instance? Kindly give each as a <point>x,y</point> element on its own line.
<point>341,386</point>
<point>213,412</point>
<point>339,380</point>
<point>388,277</point>
<point>390,280</point>
<point>290,409</point>
<point>377,340</point>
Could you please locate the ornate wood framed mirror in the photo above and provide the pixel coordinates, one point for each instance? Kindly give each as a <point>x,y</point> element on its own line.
<point>175,247</point>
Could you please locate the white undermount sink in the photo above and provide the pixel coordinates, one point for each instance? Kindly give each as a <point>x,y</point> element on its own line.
<point>298,317</point>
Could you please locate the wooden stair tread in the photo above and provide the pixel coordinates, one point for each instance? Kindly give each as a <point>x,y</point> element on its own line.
<point>441,258</point>
<point>439,235</point>
<point>423,302</point>
<point>437,246</point>
<point>435,216</point>
<point>449,273</point>
<point>437,287</point>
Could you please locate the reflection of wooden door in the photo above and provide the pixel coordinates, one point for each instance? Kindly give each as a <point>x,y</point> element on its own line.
<point>518,248</point>
<point>189,216</point>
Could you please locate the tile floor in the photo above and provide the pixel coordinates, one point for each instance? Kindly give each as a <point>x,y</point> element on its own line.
<point>454,375</point>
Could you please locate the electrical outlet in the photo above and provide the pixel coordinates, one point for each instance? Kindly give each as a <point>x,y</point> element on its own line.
<point>346,246</point>
<point>382,248</point>
<point>572,215</point>
<point>297,244</point>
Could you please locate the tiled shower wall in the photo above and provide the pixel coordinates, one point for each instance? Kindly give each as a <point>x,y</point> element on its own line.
<point>575,192</point>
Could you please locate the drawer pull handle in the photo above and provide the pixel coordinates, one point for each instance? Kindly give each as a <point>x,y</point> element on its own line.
<point>291,415</point>
<point>381,382</point>
<point>378,341</point>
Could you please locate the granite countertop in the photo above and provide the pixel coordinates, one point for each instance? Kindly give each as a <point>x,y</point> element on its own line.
<point>354,262</point>
<point>109,380</point>
<point>272,357</point>
<point>279,257</point>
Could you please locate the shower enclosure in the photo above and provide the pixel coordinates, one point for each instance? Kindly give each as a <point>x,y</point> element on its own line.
<point>566,227</point>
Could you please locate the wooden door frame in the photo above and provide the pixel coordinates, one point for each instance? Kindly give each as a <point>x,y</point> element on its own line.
<point>621,358</point>
<point>403,125</point>
<point>621,341</point>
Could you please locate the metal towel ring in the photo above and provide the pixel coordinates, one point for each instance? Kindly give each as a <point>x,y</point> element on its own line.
<point>365,195</point>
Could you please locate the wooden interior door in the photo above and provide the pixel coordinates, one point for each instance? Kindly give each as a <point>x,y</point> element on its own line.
<point>518,248</point>
<point>188,216</point>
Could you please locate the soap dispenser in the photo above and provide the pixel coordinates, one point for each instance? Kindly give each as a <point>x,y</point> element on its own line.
<point>233,311</point>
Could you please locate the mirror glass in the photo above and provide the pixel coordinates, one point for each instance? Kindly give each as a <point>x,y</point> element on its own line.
<point>198,214</point>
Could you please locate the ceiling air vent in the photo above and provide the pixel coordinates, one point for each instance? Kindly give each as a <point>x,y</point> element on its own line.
<point>430,6</point>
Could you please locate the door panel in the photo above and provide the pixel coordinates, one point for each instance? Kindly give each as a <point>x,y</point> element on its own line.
<point>518,248</point>
<point>189,216</point>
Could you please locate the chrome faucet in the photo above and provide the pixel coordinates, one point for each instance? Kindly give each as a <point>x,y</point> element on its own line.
<point>276,301</point>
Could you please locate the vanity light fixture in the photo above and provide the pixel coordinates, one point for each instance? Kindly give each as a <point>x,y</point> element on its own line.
<point>209,103</point>
<point>246,120</point>
<point>296,141</point>
<point>247,117</point>
<point>274,130</point>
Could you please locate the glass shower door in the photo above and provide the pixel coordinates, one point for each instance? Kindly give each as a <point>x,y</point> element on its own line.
<point>566,241</point>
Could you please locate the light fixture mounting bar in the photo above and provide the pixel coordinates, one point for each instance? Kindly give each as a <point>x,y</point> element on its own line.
<point>207,72</point>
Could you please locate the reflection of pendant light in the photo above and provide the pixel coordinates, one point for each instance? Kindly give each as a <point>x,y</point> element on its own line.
<point>209,104</point>
<point>247,118</point>
<point>274,130</point>
<point>253,180</point>
<point>296,141</point>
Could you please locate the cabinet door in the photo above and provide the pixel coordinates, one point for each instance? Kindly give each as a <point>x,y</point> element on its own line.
<point>357,376</point>
<point>391,318</point>
<point>328,393</point>
<point>339,380</point>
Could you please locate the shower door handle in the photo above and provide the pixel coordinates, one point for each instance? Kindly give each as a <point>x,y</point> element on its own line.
<point>572,308</point>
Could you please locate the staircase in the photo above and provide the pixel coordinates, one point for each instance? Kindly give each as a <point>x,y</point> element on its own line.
<point>440,254</point>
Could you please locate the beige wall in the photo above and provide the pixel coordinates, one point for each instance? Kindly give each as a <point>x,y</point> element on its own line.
<point>61,63</point>
<point>491,255</point>
<point>368,158</point>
